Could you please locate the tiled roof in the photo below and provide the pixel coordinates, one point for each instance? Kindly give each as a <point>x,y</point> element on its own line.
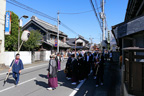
<point>61,44</point>
<point>46,25</point>
<point>71,41</point>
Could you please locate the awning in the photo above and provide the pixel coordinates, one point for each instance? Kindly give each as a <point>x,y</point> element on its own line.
<point>128,28</point>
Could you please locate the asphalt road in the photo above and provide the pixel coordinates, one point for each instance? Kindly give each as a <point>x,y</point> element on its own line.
<point>33,82</point>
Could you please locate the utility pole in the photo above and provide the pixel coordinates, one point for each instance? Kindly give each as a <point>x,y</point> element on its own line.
<point>103,21</point>
<point>91,42</point>
<point>75,46</point>
<point>58,32</point>
<point>103,44</point>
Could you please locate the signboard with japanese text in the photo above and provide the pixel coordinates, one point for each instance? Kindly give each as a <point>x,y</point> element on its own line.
<point>8,23</point>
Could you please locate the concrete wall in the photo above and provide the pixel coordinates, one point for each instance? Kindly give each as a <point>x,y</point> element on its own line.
<point>37,56</point>
<point>25,56</point>
<point>2,24</point>
<point>45,55</point>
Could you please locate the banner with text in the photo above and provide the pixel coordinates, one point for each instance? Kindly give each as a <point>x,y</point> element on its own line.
<point>8,23</point>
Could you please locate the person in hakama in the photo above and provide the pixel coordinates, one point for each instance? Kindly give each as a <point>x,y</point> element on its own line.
<point>74,64</point>
<point>17,66</point>
<point>100,72</point>
<point>88,64</point>
<point>81,67</point>
<point>69,68</point>
<point>94,65</point>
<point>52,73</point>
<point>58,60</point>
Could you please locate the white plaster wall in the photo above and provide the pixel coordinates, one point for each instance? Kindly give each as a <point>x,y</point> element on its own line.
<point>25,56</point>
<point>2,23</point>
<point>81,41</point>
<point>48,53</point>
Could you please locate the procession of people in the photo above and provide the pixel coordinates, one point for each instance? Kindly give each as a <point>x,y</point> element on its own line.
<point>79,66</point>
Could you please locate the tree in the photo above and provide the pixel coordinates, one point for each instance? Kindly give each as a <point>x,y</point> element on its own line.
<point>11,41</point>
<point>33,41</point>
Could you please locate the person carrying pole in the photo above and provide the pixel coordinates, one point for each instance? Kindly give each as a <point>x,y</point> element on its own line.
<point>16,67</point>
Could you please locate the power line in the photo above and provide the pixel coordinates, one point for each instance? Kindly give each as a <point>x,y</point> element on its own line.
<point>97,6</point>
<point>96,14</point>
<point>18,4</point>
<point>78,12</point>
<point>69,28</point>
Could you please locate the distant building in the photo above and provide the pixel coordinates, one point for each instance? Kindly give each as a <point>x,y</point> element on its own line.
<point>49,33</point>
<point>80,43</point>
<point>129,36</point>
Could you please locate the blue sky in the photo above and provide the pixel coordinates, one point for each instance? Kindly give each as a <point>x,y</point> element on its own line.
<point>84,24</point>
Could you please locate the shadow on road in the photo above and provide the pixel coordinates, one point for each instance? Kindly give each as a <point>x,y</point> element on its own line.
<point>10,81</point>
<point>62,81</point>
<point>41,83</point>
<point>43,76</point>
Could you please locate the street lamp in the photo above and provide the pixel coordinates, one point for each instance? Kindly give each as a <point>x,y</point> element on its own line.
<point>24,16</point>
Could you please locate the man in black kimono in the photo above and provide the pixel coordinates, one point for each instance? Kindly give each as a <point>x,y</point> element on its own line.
<point>100,72</point>
<point>81,67</point>
<point>69,68</point>
<point>74,64</point>
<point>88,60</point>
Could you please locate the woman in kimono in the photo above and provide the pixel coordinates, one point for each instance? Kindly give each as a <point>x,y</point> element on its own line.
<point>58,61</point>
<point>52,73</point>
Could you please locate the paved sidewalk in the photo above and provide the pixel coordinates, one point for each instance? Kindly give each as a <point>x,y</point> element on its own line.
<point>112,81</point>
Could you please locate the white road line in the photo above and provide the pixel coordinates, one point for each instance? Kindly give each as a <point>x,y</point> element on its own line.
<point>26,68</point>
<point>17,85</point>
<point>77,88</point>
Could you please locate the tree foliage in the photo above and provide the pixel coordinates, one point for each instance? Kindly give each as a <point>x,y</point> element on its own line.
<point>11,41</point>
<point>33,41</point>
